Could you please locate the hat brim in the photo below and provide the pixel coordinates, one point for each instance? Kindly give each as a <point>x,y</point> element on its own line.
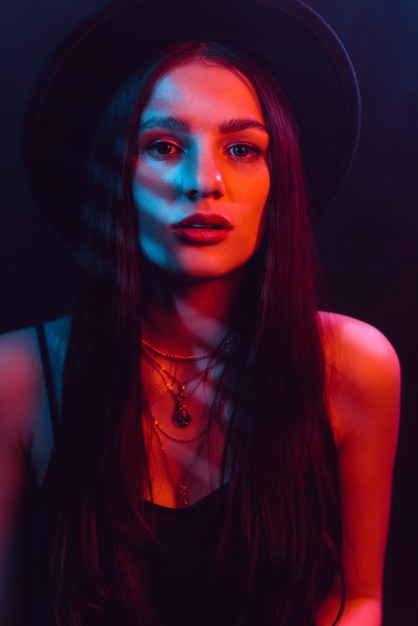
<point>94,59</point>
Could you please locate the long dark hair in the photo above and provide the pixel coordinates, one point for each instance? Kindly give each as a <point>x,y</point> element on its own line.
<point>280,546</point>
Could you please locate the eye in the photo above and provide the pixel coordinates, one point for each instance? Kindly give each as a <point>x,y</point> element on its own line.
<point>243,151</point>
<point>240,150</point>
<point>161,149</point>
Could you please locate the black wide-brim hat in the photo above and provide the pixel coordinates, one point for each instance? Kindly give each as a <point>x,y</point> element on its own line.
<point>80,76</point>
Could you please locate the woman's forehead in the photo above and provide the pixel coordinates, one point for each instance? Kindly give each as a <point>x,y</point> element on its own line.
<point>200,88</point>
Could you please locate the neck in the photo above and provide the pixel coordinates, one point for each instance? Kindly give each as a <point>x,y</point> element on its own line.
<point>190,317</point>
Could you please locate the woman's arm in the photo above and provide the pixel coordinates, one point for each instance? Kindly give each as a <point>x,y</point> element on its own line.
<point>21,396</point>
<point>364,396</point>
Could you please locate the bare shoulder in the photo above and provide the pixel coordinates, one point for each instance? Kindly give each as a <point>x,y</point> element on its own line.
<point>353,344</point>
<point>363,375</point>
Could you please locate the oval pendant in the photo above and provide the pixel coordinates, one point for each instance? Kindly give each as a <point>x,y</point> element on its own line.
<point>181,416</point>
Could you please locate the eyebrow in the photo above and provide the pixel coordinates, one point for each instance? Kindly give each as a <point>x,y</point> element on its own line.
<point>231,126</point>
<point>179,124</point>
<point>171,123</point>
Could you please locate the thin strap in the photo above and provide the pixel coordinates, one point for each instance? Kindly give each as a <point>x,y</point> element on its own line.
<point>49,379</point>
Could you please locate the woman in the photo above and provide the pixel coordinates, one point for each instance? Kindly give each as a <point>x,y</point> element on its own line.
<point>223,453</point>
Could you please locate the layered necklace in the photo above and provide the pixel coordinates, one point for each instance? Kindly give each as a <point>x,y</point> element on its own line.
<point>181,417</point>
<point>182,489</point>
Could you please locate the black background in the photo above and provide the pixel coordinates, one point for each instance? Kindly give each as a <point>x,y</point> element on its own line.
<point>367,239</point>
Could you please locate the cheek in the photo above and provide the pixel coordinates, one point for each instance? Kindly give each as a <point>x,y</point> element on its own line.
<point>255,190</point>
<point>150,182</point>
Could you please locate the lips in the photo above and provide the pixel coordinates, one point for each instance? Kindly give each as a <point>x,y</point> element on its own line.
<point>203,228</point>
<point>201,220</point>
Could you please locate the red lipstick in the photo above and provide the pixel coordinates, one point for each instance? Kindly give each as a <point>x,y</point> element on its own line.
<point>203,228</point>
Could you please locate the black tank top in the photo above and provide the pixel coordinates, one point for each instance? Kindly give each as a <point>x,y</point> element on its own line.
<point>181,570</point>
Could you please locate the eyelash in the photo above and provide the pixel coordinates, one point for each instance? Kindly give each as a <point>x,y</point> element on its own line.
<point>152,148</point>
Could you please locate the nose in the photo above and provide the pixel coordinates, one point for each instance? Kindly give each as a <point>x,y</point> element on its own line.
<point>202,176</point>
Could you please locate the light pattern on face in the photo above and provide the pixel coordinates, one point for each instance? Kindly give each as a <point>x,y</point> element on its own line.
<point>201,178</point>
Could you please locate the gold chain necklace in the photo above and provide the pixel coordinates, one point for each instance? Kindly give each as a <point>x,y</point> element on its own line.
<point>176,357</point>
<point>157,424</point>
<point>181,416</point>
<point>183,488</point>
<point>184,357</point>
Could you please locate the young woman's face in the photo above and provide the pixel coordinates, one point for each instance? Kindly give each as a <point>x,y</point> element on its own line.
<point>201,178</point>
